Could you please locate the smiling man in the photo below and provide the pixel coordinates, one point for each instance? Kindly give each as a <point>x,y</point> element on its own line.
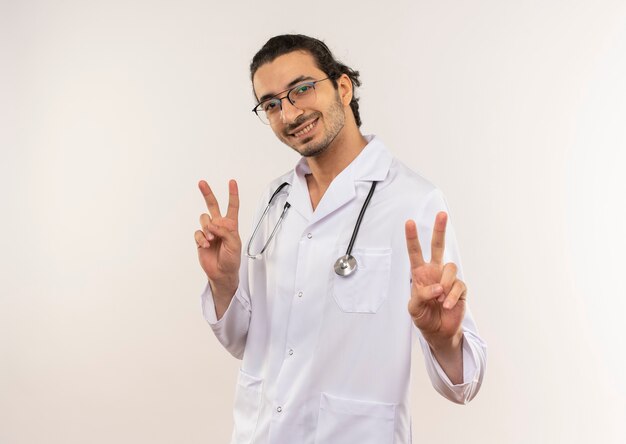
<point>333,291</point>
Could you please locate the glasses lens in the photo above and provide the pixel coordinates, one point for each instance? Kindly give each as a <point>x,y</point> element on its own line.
<point>262,116</point>
<point>268,110</point>
<point>302,95</point>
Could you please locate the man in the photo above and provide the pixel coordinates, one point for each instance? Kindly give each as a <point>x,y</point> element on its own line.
<point>326,343</point>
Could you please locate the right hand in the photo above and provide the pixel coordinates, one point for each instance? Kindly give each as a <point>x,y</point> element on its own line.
<point>219,244</point>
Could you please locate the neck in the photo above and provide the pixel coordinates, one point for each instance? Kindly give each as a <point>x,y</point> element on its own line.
<point>326,166</point>
<point>341,152</point>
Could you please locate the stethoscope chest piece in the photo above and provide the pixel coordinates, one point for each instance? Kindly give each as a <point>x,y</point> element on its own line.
<point>345,265</point>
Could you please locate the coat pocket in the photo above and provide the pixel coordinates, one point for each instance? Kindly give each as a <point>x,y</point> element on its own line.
<point>348,421</point>
<point>367,287</point>
<point>247,407</point>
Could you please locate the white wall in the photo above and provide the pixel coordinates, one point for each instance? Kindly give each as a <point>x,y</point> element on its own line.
<point>110,112</point>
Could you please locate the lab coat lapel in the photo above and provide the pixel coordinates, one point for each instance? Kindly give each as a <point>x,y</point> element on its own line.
<point>340,192</point>
<point>371,164</point>
<point>299,193</point>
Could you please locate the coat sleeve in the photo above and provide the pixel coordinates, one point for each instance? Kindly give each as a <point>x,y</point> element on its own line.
<point>474,348</point>
<point>232,329</point>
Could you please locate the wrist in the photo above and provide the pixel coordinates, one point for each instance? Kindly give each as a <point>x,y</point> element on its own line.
<point>445,345</point>
<point>224,289</point>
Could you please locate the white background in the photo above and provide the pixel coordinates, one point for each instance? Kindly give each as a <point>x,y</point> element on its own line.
<point>111,111</point>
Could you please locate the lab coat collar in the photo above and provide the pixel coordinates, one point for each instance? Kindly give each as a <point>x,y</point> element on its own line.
<point>372,164</point>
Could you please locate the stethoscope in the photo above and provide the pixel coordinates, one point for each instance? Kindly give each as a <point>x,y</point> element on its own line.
<point>345,265</point>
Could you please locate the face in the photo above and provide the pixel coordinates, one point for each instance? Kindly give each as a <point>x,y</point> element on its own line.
<point>309,131</point>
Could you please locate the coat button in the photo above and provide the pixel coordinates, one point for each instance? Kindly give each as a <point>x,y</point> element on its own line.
<point>309,235</point>
<point>279,409</point>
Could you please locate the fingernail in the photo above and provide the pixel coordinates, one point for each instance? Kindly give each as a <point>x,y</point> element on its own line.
<point>447,304</point>
<point>437,289</point>
<point>210,237</point>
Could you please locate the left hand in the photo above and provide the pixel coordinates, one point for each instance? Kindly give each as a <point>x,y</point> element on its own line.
<point>437,303</point>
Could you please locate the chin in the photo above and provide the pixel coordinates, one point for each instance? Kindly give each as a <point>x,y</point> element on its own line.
<point>309,148</point>
<point>314,151</point>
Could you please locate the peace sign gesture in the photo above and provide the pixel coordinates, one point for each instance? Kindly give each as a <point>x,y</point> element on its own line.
<point>219,244</point>
<point>437,303</point>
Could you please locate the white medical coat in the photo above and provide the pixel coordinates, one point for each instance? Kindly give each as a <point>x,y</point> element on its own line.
<point>326,359</point>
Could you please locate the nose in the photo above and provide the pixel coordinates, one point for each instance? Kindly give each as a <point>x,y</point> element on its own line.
<point>288,111</point>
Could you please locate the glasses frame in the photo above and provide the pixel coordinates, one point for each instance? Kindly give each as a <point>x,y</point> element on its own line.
<point>258,109</point>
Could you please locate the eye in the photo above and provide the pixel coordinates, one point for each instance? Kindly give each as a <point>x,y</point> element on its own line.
<point>303,89</point>
<point>269,105</point>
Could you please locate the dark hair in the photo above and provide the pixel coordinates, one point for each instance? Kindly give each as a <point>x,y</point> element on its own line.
<point>284,44</point>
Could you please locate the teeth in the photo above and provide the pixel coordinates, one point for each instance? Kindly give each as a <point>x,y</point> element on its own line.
<point>305,130</point>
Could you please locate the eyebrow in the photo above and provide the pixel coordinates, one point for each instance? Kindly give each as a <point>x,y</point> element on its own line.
<point>290,85</point>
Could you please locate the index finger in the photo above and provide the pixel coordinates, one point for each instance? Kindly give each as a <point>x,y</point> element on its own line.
<point>439,238</point>
<point>413,244</point>
<point>209,198</point>
<point>233,201</point>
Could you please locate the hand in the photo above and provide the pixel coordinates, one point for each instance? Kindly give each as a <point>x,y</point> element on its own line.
<point>437,303</point>
<point>219,244</point>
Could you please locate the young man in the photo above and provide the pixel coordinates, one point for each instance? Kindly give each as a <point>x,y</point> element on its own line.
<point>317,306</point>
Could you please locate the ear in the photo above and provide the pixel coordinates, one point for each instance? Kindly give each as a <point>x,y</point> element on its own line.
<point>344,88</point>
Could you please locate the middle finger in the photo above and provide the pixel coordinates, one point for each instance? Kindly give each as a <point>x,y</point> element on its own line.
<point>439,238</point>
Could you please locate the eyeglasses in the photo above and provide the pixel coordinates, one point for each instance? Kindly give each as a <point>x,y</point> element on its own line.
<point>300,96</point>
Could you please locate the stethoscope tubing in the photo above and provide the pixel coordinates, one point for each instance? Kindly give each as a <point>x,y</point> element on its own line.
<point>344,265</point>
<point>258,225</point>
<point>360,218</point>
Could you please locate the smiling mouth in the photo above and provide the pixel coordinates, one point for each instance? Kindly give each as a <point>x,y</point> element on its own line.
<point>305,130</point>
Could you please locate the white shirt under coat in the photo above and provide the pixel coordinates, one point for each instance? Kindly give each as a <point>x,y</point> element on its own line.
<point>326,359</point>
